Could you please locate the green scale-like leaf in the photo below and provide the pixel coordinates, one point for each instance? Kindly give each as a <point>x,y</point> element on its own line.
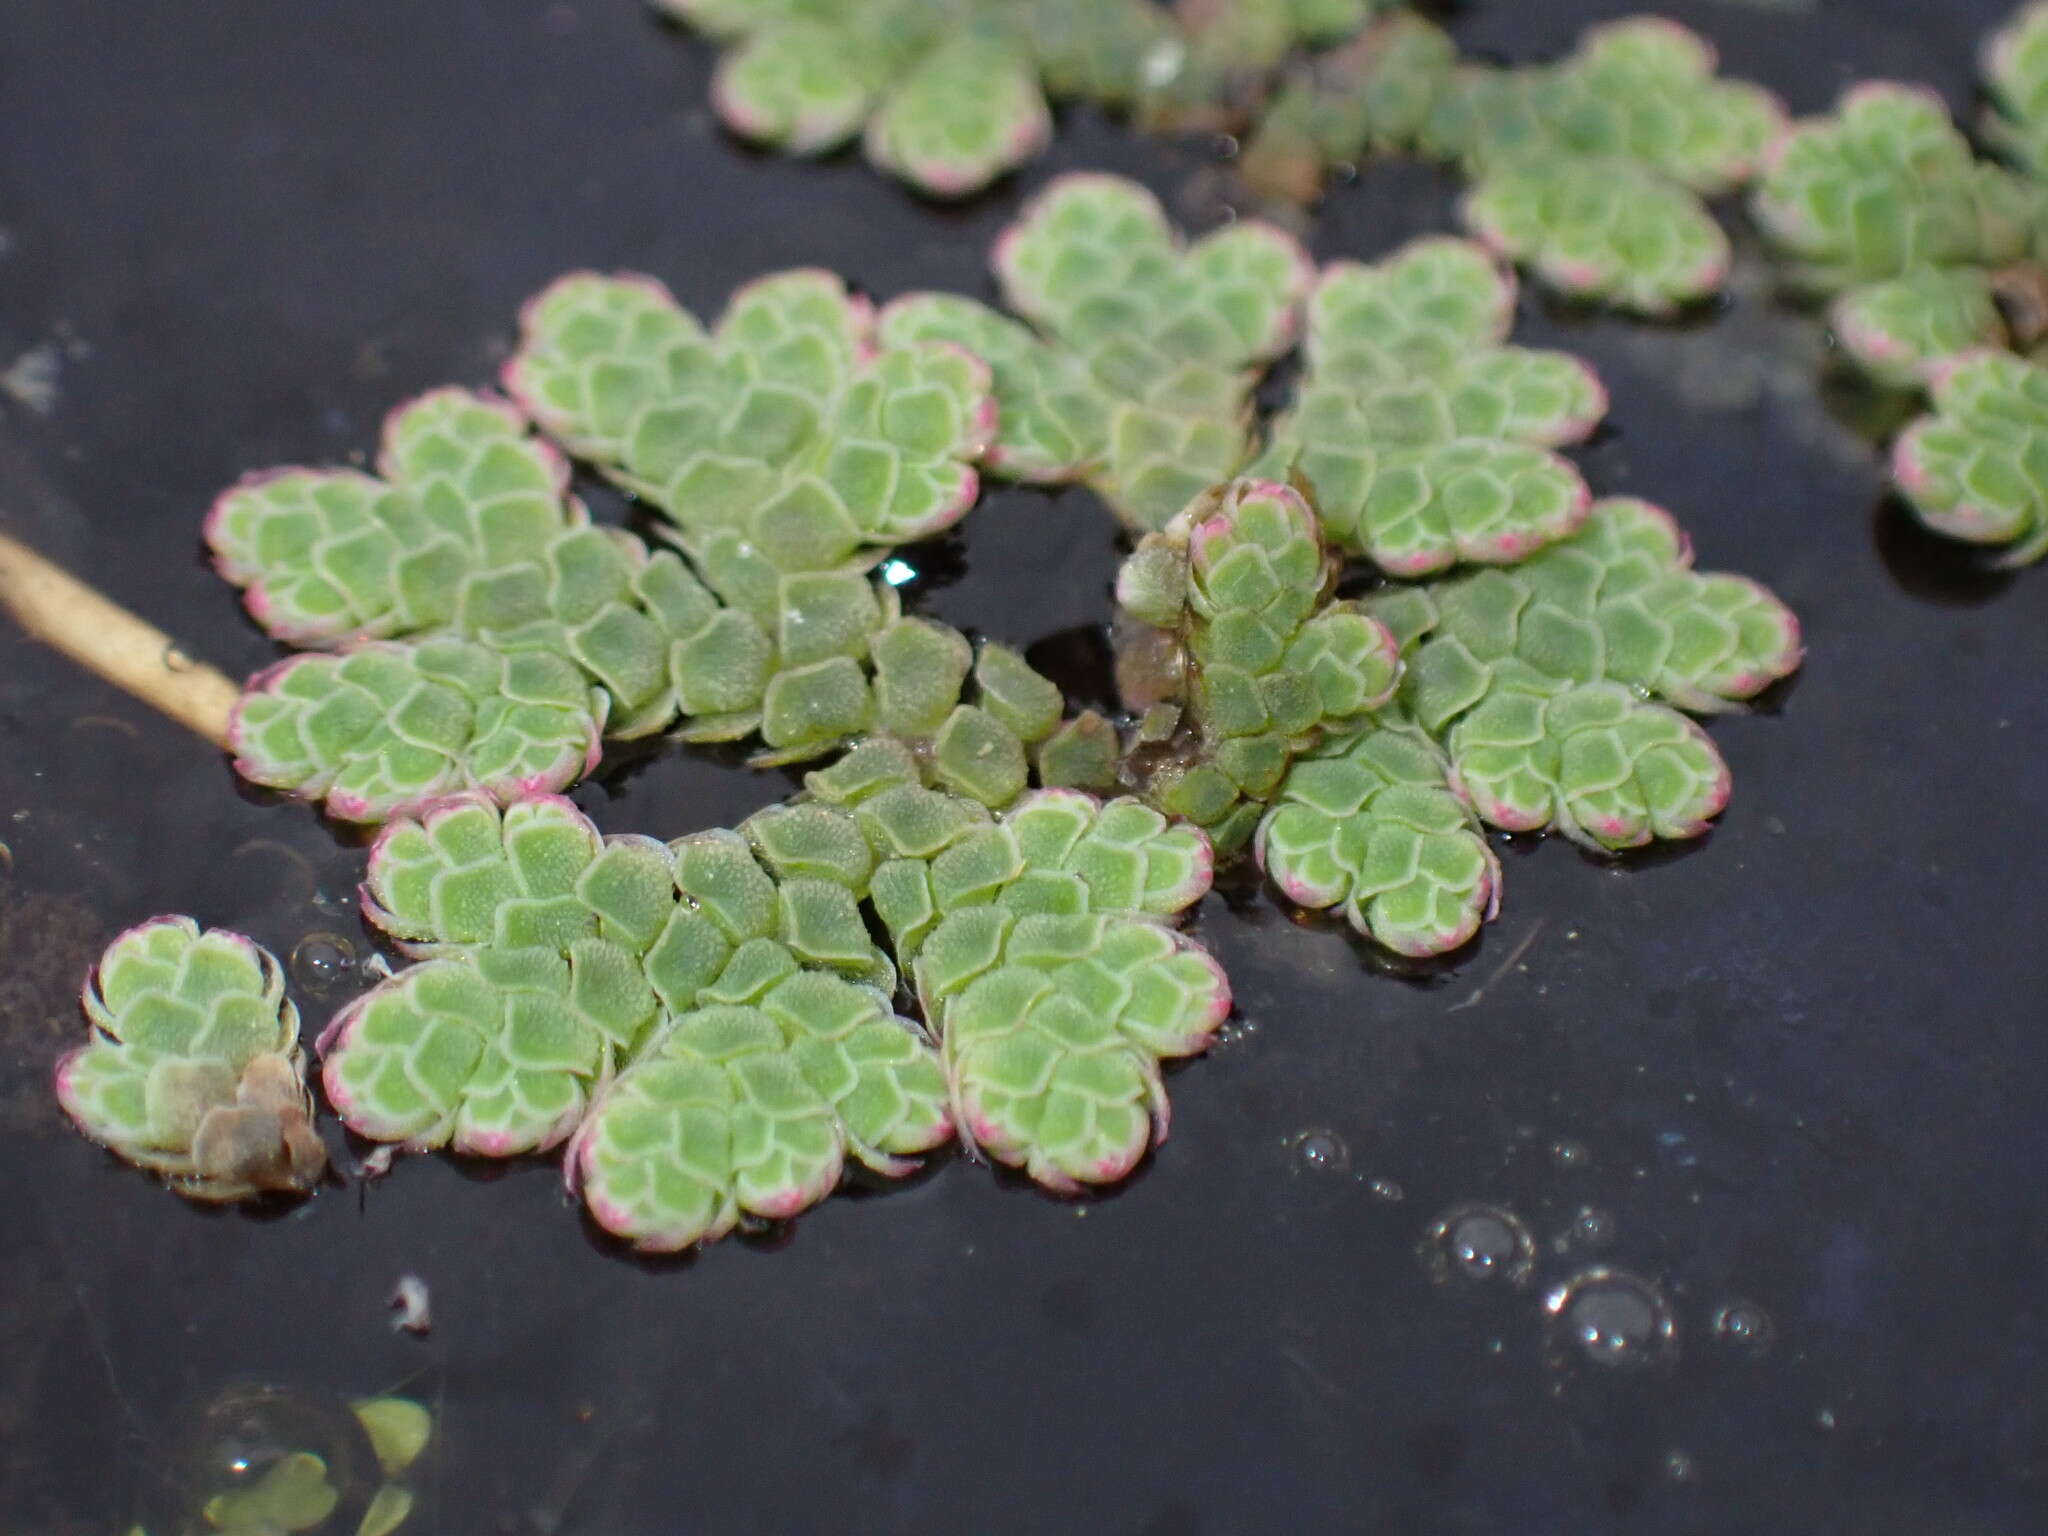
<point>576,977</point>
<point>1240,584</point>
<point>1039,947</point>
<point>1369,822</point>
<point>750,1106</point>
<point>1977,468</point>
<point>2016,76</point>
<point>1143,380</point>
<point>471,532</point>
<point>1536,678</point>
<point>194,1068</point>
<point>389,726</point>
<point>1883,203</point>
<point>785,435</point>
<point>1426,438</point>
<point>1590,170</point>
<point>1884,186</point>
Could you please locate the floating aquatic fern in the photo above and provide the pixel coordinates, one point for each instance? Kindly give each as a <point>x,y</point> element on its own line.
<point>1977,467</point>
<point>1141,375</point>
<point>1882,206</point>
<point>948,95</point>
<point>1590,171</point>
<point>194,1068</point>
<point>1542,681</point>
<point>1250,660</point>
<point>1426,437</point>
<point>708,1025</point>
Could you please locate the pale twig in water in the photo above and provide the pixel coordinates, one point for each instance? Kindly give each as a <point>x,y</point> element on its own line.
<point>58,609</point>
<point>1472,998</point>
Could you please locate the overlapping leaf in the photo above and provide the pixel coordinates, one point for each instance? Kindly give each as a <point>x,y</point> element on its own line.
<point>1426,437</point>
<point>1042,959</point>
<point>1883,203</point>
<point>1254,661</point>
<point>1977,467</point>
<point>1151,348</point>
<point>1540,680</point>
<point>1590,170</point>
<point>194,1068</point>
<point>1369,823</point>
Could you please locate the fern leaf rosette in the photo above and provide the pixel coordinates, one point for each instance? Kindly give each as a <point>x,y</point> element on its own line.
<point>1258,662</point>
<point>1541,679</point>
<point>1883,205</point>
<point>194,1069</point>
<point>1150,347</point>
<point>1976,467</point>
<point>1427,438</point>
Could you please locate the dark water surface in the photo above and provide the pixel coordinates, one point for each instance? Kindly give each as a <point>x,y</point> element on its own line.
<point>1798,1067</point>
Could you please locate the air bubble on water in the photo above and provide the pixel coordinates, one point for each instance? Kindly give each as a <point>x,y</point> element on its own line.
<point>1680,1467</point>
<point>1569,1155</point>
<point>1225,146</point>
<point>1743,1328</point>
<point>1389,1190</point>
<point>1480,1242</point>
<point>1612,1318</point>
<point>1591,1230</point>
<point>323,962</point>
<point>1317,1150</point>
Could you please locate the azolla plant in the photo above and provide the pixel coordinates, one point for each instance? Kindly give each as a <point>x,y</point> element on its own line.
<point>1591,171</point>
<point>963,925</point>
<point>1932,261</point>
<point>194,1068</point>
<point>709,1028</point>
<point>949,94</point>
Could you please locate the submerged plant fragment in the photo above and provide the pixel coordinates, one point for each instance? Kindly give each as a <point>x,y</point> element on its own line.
<point>1591,170</point>
<point>194,1069</point>
<point>1976,468</point>
<point>1882,206</point>
<point>1139,378</point>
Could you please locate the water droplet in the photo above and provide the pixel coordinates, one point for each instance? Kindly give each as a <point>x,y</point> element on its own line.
<point>1612,1318</point>
<point>1825,1418</point>
<point>1570,1155</point>
<point>1388,1190</point>
<point>1225,146</point>
<point>323,962</point>
<point>1480,1242</point>
<point>1744,1327</point>
<point>1320,1151</point>
<point>1680,1467</point>
<point>1592,1229</point>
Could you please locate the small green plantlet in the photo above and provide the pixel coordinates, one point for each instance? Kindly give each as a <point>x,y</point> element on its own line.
<point>1142,382</point>
<point>1540,681</point>
<point>1590,171</point>
<point>2016,79</point>
<point>1977,467</point>
<point>949,95</point>
<point>707,1024</point>
<point>1428,439</point>
<point>1883,206</point>
<point>1253,661</point>
<point>1369,822</point>
<point>194,1068</point>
